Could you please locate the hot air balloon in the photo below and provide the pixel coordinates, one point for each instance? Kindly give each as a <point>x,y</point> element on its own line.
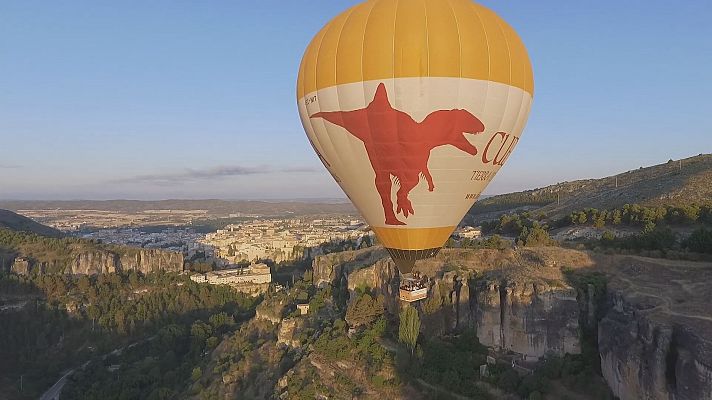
<point>413,106</point>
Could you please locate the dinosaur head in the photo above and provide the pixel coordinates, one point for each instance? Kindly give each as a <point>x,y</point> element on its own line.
<point>468,123</point>
<point>465,123</point>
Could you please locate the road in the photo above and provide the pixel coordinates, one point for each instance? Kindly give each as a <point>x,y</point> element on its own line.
<point>53,392</point>
<point>56,389</point>
<point>14,306</point>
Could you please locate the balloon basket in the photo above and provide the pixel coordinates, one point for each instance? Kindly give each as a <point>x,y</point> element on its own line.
<point>412,288</point>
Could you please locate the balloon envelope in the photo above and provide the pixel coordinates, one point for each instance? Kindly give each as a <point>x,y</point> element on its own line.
<point>413,106</point>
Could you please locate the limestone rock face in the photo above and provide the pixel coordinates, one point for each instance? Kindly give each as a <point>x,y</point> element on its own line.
<point>331,269</point>
<point>655,334</point>
<point>382,276</point>
<point>96,262</point>
<point>272,309</point>
<point>152,260</point>
<point>489,313</point>
<point>527,317</point>
<point>644,357</point>
<point>141,260</point>
<point>288,331</point>
<point>526,307</point>
<point>21,266</point>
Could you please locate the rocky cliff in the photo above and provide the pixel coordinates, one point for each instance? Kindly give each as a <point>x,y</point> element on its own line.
<point>517,300</point>
<point>101,261</point>
<point>655,340</point>
<point>141,260</point>
<point>651,316</point>
<point>331,269</point>
<point>26,252</point>
<point>527,316</point>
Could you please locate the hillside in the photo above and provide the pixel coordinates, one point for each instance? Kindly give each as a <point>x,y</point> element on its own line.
<point>79,256</point>
<point>16,222</point>
<point>678,182</point>
<point>211,206</point>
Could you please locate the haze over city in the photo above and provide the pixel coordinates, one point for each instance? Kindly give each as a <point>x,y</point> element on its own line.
<point>196,100</point>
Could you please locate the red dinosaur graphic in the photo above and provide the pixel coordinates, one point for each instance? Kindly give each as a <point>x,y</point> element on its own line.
<point>397,145</point>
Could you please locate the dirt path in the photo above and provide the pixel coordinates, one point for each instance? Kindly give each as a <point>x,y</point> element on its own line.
<point>667,306</point>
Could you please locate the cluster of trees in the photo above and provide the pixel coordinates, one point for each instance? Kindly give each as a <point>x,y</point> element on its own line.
<point>643,216</point>
<point>345,245</point>
<point>16,239</point>
<point>512,200</point>
<point>158,368</point>
<point>334,344</point>
<point>365,309</point>
<point>41,248</point>
<point>660,241</point>
<point>38,342</point>
<point>366,314</point>
<point>69,319</point>
<point>509,224</point>
<point>529,232</point>
<point>700,241</point>
<point>492,242</point>
<point>573,371</point>
<point>133,303</point>
<point>653,220</point>
<point>452,364</point>
<point>535,236</point>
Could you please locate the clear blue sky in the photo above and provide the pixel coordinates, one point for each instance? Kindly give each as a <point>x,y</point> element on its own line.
<point>185,99</point>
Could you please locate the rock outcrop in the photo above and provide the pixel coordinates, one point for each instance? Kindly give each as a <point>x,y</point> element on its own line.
<point>140,260</point>
<point>21,266</point>
<point>273,309</point>
<point>517,300</point>
<point>289,330</point>
<point>151,260</point>
<point>334,268</point>
<point>655,340</point>
<point>96,262</point>
<point>527,316</point>
<point>100,261</point>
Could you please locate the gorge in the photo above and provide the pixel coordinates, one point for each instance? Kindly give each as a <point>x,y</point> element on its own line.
<point>649,318</point>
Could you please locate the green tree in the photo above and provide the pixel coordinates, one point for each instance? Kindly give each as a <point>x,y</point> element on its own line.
<point>365,309</point>
<point>409,327</point>
<point>700,241</point>
<point>508,380</point>
<point>617,219</point>
<point>196,374</point>
<point>536,236</point>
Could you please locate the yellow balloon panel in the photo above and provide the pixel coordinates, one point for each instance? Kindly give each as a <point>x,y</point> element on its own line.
<point>382,39</point>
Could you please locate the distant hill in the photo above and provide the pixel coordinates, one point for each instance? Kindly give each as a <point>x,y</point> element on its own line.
<point>212,206</point>
<point>16,222</point>
<point>676,182</point>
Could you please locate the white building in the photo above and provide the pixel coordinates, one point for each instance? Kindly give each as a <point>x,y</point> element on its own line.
<point>469,232</point>
<point>253,274</point>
